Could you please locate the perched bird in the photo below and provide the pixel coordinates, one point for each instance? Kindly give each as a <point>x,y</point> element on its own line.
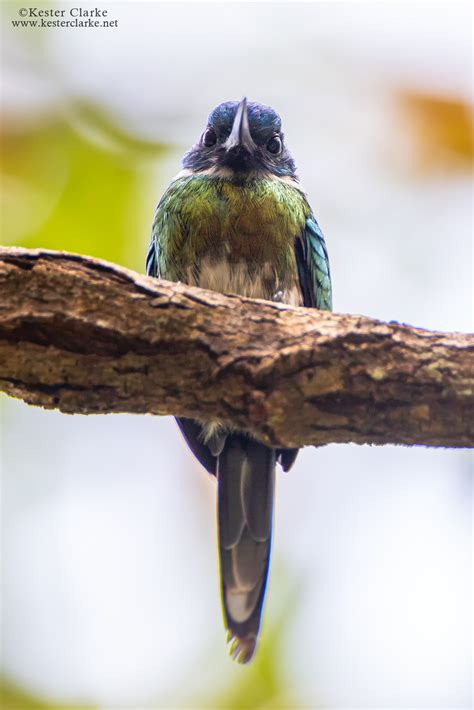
<point>236,220</point>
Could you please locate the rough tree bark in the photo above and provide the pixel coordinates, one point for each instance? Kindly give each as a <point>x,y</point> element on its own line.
<point>85,336</point>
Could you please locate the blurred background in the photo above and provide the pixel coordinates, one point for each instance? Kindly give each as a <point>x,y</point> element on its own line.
<point>110,593</point>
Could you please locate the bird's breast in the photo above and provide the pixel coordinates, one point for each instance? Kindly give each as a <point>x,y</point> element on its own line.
<point>238,238</point>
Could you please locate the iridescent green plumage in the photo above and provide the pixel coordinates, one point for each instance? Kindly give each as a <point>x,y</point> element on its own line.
<point>313,266</point>
<point>259,222</point>
<point>210,217</point>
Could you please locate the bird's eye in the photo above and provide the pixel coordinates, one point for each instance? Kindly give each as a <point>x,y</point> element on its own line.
<point>209,137</point>
<point>274,145</point>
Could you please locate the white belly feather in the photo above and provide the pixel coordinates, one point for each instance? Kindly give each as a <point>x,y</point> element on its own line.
<point>226,277</point>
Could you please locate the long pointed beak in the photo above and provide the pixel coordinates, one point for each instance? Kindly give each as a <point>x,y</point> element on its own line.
<point>240,135</point>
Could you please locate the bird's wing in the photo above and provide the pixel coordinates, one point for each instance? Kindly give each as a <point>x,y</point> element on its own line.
<point>153,254</point>
<point>191,430</point>
<point>152,259</point>
<point>168,233</point>
<point>313,267</point>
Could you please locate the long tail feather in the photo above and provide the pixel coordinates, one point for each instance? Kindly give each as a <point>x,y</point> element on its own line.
<point>246,478</point>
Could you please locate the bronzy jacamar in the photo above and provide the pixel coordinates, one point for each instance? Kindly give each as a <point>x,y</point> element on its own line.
<point>236,220</point>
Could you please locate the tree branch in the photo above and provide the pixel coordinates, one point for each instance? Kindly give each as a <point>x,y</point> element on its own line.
<point>85,336</point>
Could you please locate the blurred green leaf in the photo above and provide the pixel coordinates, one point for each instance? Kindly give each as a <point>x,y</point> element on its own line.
<point>79,183</point>
<point>14,698</point>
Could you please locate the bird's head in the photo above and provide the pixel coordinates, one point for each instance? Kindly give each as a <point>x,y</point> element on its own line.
<point>241,139</point>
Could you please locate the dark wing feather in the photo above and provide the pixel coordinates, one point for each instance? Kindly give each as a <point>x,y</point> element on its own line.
<point>192,432</point>
<point>313,267</point>
<point>152,259</point>
<point>286,458</point>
